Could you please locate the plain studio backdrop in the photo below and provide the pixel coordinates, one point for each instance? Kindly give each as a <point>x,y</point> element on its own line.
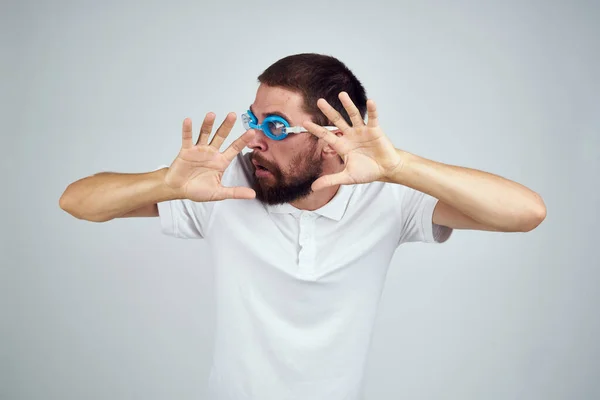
<point>120,311</point>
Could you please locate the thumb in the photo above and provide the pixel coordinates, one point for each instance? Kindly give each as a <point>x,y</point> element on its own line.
<point>238,192</point>
<point>341,178</point>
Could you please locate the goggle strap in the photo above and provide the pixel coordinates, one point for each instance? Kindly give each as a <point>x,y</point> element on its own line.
<point>294,129</point>
<point>299,129</point>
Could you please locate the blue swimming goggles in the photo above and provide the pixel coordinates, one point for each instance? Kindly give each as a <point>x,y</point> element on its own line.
<point>274,126</point>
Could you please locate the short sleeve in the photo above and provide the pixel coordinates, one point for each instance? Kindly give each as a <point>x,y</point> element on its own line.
<point>188,219</point>
<point>416,218</point>
<point>184,218</point>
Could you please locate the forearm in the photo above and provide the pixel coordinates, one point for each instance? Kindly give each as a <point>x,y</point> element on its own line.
<point>104,196</point>
<point>491,200</point>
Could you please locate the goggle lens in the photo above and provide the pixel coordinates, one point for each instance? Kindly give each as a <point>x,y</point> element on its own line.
<point>273,126</point>
<point>276,128</point>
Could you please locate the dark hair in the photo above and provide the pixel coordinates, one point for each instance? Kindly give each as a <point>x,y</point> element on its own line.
<point>317,76</point>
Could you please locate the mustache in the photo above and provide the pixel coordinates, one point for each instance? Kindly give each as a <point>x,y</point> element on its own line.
<point>262,161</point>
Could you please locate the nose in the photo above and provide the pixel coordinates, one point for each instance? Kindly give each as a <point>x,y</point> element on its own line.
<point>258,141</point>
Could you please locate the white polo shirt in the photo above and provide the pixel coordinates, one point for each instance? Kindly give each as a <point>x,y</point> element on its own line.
<point>297,291</point>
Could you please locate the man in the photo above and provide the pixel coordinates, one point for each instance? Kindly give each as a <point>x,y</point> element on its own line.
<point>303,228</point>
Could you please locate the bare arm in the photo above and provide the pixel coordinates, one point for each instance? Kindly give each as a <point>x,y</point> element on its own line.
<point>468,198</point>
<point>104,196</point>
<point>195,175</point>
<point>472,199</point>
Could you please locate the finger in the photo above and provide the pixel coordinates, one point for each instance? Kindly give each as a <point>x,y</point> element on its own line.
<point>223,131</point>
<point>341,178</point>
<point>372,114</point>
<point>329,137</point>
<point>332,114</point>
<point>238,145</point>
<point>186,134</point>
<point>237,192</point>
<point>351,109</point>
<point>206,129</point>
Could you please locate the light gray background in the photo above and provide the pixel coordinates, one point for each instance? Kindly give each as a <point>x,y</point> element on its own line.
<point>119,311</point>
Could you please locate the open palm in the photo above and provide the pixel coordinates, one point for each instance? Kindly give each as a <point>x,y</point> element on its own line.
<point>197,171</point>
<point>368,153</point>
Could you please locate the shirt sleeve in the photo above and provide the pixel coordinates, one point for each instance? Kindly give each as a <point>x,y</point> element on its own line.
<point>416,218</point>
<point>184,219</point>
<point>188,219</point>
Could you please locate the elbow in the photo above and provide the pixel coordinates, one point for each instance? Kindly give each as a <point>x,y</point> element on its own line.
<point>71,205</point>
<point>66,202</point>
<point>536,214</point>
<point>63,202</point>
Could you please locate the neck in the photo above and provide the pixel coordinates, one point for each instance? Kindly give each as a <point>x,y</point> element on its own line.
<point>316,200</point>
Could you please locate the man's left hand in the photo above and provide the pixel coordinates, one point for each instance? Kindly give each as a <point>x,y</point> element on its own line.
<point>367,152</point>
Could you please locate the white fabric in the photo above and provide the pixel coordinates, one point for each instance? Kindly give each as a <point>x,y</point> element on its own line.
<point>297,291</point>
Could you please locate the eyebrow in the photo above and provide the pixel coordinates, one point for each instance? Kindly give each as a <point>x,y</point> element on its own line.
<point>279,114</point>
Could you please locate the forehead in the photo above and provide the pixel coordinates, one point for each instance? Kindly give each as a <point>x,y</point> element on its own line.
<point>271,99</point>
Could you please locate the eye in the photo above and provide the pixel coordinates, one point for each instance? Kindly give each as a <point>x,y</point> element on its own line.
<point>276,127</point>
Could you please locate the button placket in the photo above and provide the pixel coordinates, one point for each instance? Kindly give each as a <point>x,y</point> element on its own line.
<point>307,246</point>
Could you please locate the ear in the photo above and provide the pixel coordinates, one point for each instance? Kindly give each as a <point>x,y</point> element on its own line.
<point>328,151</point>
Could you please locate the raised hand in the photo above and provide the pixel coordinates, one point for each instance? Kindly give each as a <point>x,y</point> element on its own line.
<point>197,171</point>
<point>367,152</point>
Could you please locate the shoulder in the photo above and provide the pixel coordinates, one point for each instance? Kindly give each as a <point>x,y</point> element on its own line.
<point>381,192</point>
<point>390,198</point>
<point>239,172</point>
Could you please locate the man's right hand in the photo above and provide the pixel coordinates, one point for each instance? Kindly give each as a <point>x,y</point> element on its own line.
<point>195,174</point>
<point>197,171</point>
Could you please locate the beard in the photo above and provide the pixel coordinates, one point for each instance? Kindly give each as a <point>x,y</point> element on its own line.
<point>283,188</point>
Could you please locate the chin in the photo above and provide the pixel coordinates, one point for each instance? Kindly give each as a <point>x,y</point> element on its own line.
<point>277,193</point>
<point>265,182</point>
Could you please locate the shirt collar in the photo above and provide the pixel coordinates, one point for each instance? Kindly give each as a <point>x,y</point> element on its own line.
<point>334,209</point>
